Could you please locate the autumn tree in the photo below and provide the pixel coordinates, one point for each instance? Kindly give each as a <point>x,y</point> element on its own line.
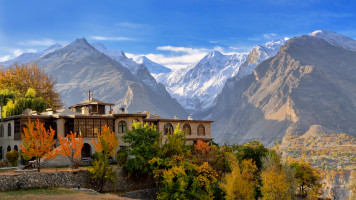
<point>71,147</point>
<point>105,146</point>
<point>275,183</point>
<point>241,182</point>
<point>38,142</point>
<point>308,178</point>
<point>19,78</point>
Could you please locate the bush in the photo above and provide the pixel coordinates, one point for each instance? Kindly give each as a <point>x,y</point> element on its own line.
<point>121,157</point>
<point>12,157</point>
<point>4,164</point>
<point>94,156</point>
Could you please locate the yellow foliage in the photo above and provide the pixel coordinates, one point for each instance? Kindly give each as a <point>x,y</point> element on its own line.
<point>240,183</point>
<point>107,142</point>
<point>275,185</point>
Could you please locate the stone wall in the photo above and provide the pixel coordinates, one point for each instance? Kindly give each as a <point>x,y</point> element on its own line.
<point>70,179</point>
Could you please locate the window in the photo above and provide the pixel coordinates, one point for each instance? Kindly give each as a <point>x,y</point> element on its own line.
<point>54,127</point>
<point>9,129</point>
<point>0,153</point>
<point>168,129</point>
<point>201,129</point>
<point>122,127</point>
<point>16,148</point>
<point>187,129</point>
<point>8,148</point>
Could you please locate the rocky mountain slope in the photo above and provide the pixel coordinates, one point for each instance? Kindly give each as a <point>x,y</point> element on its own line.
<point>311,81</point>
<point>79,67</point>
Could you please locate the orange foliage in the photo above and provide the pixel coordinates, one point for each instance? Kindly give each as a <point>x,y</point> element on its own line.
<point>71,147</point>
<point>21,78</point>
<point>201,147</point>
<point>107,142</point>
<point>38,142</point>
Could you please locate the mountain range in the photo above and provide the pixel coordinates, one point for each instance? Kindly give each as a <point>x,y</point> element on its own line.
<point>310,82</point>
<point>79,67</point>
<point>197,86</point>
<point>286,87</point>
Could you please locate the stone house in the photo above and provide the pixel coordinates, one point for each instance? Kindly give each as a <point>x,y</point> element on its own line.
<point>87,118</point>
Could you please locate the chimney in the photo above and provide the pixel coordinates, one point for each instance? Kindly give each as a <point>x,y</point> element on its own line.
<point>190,118</point>
<point>175,117</point>
<point>148,114</point>
<point>122,110</point>
<point>85,110</point>
<point>111,111</point>
<point>50,111</point>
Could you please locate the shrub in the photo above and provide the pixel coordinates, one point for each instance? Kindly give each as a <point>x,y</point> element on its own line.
<point>4,164</point>
<point>94,156</point>
<point>12,157</point>
<point>121,157</point>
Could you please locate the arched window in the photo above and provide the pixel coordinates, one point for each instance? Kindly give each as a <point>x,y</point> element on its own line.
<point>1,130</point>
<point>201,129</point>
<point>168,129</point>
<point>187,129</point>
<point>16,148</point>
<point>0,153</point>
<point>9,129</point>
<point>8,148</point>
<point>122,127</point>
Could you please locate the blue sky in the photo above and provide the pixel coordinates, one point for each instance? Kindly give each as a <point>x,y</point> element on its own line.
<point>173,33</point>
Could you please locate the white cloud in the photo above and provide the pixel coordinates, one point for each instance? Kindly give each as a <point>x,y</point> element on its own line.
<point>182,49</point>
<point>179,57</point>
<point>17,52</point>
<point>42,42</point>
<point>269,35</point>
<point>110,38</point>
<point>5,58</point>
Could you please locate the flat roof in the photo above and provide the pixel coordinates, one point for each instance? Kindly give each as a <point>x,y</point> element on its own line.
<point>176,120</point>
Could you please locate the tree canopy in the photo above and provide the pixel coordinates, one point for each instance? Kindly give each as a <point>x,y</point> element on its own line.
<point>20,78</point>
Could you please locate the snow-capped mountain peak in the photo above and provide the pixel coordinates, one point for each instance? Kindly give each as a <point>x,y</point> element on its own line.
<point>152,67</point>
<point>196,86</point>
<point>335,39</point>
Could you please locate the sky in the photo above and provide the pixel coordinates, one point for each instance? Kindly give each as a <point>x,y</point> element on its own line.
<point>169,32</point>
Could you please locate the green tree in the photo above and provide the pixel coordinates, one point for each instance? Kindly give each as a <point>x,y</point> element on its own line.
<point>144,144</point>
<point>174,144</point>
<point>5,96</point>
<point>252,150</point>
<point>20,104</point>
